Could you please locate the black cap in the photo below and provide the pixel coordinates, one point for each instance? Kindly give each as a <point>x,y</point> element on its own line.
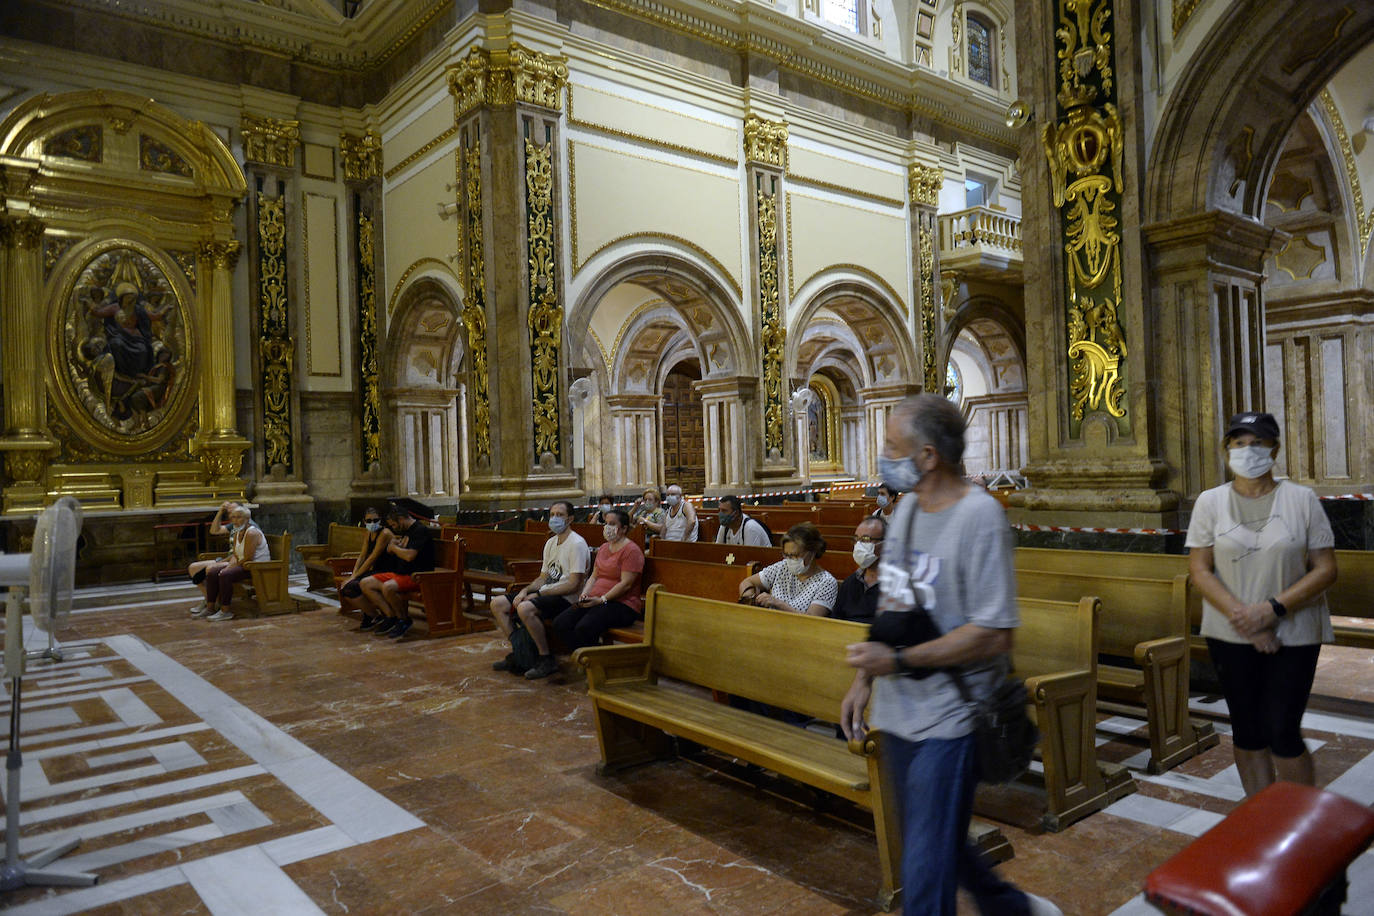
<point>1261,424</point>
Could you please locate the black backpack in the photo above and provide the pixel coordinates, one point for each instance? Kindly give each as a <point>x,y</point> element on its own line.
<point>762,524</point>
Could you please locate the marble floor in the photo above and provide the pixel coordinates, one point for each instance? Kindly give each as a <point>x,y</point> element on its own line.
<point>295,765</point>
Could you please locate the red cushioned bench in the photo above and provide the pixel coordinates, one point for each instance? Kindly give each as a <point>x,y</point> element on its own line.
<point>1282,852</point>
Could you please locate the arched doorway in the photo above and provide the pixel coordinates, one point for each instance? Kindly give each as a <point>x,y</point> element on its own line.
<point>684,428</point>
<point>423,368</point>
<point>985,374</point>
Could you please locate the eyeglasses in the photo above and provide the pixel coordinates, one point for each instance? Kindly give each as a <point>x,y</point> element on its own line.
<point>368,521</point>
<point>865,539</point>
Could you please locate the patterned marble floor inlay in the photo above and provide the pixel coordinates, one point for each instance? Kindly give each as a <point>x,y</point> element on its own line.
<point>121,741</point>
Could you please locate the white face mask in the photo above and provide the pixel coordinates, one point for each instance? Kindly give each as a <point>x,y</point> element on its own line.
<point>605,507</point>
<point>864,554</point>
<point>674,499</point>
<point>882,501</point>
<point>374,526</point>
<point>610,531</point>
<point>795,565</point>
<point>1251,461</point>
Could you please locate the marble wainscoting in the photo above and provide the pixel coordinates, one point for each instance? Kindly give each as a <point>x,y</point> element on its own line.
<point>293,764</point>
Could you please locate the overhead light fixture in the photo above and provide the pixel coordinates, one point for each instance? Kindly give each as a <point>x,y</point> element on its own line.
<point>1018,114</point>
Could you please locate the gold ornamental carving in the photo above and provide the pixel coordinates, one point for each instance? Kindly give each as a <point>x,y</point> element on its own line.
<point>156,156</point>
<point>361,155</point>
<point>221,462</point>
<point>25,466</point>
<point>765,142</point>
<point>122,347</point>
<point>276,348</point>
<point>774,334</point>
<point>475,305</point>
<point>219,255</point>
<point>925,244</point>
<point>924,183</point>
<point>500,78</point>
<point>24,232</point>
<point>546,312</point>
<point>1363,218</point>
<point>1084,149</point>
<point>84,143</point>
<point>270,141</point>
<point>370,423</point>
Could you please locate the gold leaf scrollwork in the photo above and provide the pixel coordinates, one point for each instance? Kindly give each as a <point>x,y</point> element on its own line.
<point>774,334</point>
<point>156,156</point>
<point>546,314</point>
<point>924,183</point>
<point>26,467</point>
<point>271,141</point>
<point>475,306</point>
<point>765,142</point>
<point>361,155</point>
<point>1085,46</point>
<point>502,77</point>
<point>370,425</point>
<point>925,242</point>
<point>275,346</point>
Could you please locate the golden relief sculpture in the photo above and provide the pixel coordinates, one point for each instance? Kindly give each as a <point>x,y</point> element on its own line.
<point>275,346</point>
<point>1084,150</point>
<point>121,348</point>
<point>271,141</point>
<point>55,249</point>
<point>370,425</point>
<point>1364,218</point>
<point>765,142</point>
<point>361,155</point>
<point>925,243</point>
<point>156,156</point>
<point>502,77</point>
<point>924,183</point>
<point>774,334</point>
<point>84,143</point>
<point>546,314</point>
<point>475,306</point>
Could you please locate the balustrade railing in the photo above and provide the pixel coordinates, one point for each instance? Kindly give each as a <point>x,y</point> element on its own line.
<point>980,226</point>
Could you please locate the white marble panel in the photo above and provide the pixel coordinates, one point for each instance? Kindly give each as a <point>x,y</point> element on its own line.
<point>298,847</point>
<point>1145,810</point>
<point>1356,783</point>
<point>1197,823</point>
<point>238,817</point>
<point>145,793</point>
<point>137,849</point>
<point>221,882</point>
<point>358,811</point>
<point>130,821</point>
<point>79,901</point>
<point>1136,906</point>
<point>108,760</point>
<point>121,741</point>
<point>43,719</point>
<point>103,729</point>
<point>177,756</point>
<point>35,786</point>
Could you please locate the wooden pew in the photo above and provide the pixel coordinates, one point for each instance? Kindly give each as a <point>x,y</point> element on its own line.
<point>1146,620</point>
<point>265,593</point>
<point>786,660</point>
<point>780,518</point>
<point>1353,596</point>
<point>512,551</point>
<point>594,535</point>
<point>439,603</point>
<point>343,541</point>
<point>1056,652</point>
<point>839,563</point>
<point>717,581</point>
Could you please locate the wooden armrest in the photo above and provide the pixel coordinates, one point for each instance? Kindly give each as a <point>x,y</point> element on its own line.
<point>1048,689</point>
<point>525,571</point>
<point>1161,651</point>
<point>342,566</point>
<point>210,556</point>
<point>265,565</point>
<point>867,746</point>
<point>607,664</point>
<point>313,551</point>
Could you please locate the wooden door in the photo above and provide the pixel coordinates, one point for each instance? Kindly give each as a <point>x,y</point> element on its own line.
<point>684,434</point>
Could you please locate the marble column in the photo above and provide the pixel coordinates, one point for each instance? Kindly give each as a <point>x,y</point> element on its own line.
<point>508,103</point>
<point>852,435</point>
<point>635,421</point>
<point>727,405</point>
<point>425,430</point>
<point>25,444</point>
<point>878,402</point>
<point>800,409</point>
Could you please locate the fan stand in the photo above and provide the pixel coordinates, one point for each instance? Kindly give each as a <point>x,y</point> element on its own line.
<point>16,872</point>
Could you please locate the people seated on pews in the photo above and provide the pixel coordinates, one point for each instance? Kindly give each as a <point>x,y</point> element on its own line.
<point>386,595</point>
<point>858,595</point>
<point>1262,553</point>
<point>953,558</point>
<point>613,597</point>
<point>551,593</point>
<point>372,558</point>
<point>246,544</point>
<point>648,511</point>
<point>887,502</point>
<point>603,505</point>
<point>680,518</point>
<point>795,583</point>
<point>738,528</point>
<point>199,569</point>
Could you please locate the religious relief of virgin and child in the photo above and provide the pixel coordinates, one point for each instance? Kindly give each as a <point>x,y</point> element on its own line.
<point>126,342</point>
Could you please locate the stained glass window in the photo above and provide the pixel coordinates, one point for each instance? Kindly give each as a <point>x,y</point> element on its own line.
<point>979,51</point>
<point>843,13</point>
<point>954,384</point>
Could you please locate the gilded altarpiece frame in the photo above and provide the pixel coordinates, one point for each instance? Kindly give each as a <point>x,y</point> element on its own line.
<point>472,251</point>
<point>545,319</point>
<point>1084,148</point>
<point>276,346</point>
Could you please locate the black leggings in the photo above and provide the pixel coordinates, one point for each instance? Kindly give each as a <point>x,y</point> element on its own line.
<point>1266,694</point>
<point>582,626</point>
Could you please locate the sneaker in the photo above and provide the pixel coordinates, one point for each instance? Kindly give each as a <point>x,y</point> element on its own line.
<point>402,628</point>
<point>369,622</point>
<point>506,664</point>
<point>384,626</point>
<point>546,665</point>
<point>1039,906</point>
<point>200,610</point>
<point>221,614</point>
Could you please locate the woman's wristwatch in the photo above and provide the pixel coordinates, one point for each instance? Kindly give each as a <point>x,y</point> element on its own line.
<point>1279,610</point>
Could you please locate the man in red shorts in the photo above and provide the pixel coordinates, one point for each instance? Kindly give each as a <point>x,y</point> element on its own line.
<point>387,594</point>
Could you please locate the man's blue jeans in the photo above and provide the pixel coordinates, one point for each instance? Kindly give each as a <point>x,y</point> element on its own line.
<point>933,781</point>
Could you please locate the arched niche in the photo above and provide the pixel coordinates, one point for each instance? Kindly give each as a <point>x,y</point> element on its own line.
<point>423,365</point>
<point>874,315</point>
<point>118,223</point>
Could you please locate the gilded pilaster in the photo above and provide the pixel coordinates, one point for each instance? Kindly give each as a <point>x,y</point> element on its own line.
<point>361,155</point>
<point>270,141</point>
<point>26,445</point>
<point>369,377</point>
<point>218,444</point>
<point>276,348</point>
<point>923,185</point>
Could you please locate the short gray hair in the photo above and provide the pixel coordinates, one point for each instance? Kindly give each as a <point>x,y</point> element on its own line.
<point>935,421</point>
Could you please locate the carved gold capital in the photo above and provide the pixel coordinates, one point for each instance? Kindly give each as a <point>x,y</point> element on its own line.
<point>222,461</point>
<point>765,142</point>
<point>924,183</point>
<point>361,155</point>
<point>25,466</point>
<point>221,255</point>
<point>271,141</point>
<point>23,232</point>
<point>501,78</point>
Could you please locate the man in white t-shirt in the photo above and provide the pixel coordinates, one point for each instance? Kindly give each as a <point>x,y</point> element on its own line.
<point>680,521</point>
<point>738,528</point>
<point>553,591</point>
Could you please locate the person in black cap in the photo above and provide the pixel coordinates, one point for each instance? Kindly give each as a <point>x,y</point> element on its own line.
<point>1262,553</point>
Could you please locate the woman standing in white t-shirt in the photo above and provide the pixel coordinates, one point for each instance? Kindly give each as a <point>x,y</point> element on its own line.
<point>1261,552</point>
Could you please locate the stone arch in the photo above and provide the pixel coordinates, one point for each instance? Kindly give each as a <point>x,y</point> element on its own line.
<point>983,308</point>
<point>873,313</point>
<point>423,374</point>
<point>1230,112</point>
<point>985,337</point>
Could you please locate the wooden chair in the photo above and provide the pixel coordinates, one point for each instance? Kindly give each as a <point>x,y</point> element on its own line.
<point>344,541</point>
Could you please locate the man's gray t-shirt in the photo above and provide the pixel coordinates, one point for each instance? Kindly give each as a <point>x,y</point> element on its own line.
<point>959,563</point>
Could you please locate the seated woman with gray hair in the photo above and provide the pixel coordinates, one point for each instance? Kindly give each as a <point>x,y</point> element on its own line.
<point>217,578</point>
